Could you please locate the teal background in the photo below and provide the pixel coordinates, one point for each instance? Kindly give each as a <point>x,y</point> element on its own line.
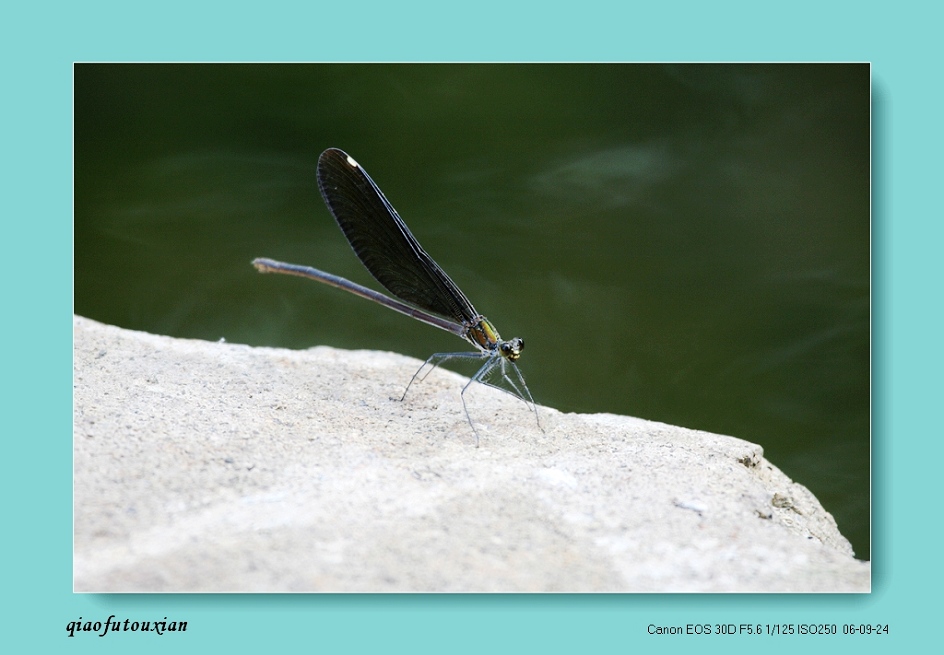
<point>40,47</point>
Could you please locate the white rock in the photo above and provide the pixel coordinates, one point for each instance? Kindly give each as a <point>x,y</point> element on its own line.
<point>207,466</point>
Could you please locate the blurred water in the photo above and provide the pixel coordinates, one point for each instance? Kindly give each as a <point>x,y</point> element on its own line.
<point>688,244</point>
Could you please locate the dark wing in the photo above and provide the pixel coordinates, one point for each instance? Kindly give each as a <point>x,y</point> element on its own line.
<point>383,242</point>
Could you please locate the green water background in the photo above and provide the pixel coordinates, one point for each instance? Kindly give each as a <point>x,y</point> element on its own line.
<point>683,243</point>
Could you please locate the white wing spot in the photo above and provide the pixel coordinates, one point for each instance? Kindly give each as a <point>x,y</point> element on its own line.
<point>350,160</point>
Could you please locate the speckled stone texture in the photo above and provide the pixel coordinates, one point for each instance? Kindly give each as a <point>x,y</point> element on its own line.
<point>204,466</point>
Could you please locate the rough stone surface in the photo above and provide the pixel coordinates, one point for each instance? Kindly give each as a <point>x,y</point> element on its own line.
<point>205,466</point>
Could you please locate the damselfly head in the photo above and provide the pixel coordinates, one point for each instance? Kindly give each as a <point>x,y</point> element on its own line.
<point>511,349</point>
